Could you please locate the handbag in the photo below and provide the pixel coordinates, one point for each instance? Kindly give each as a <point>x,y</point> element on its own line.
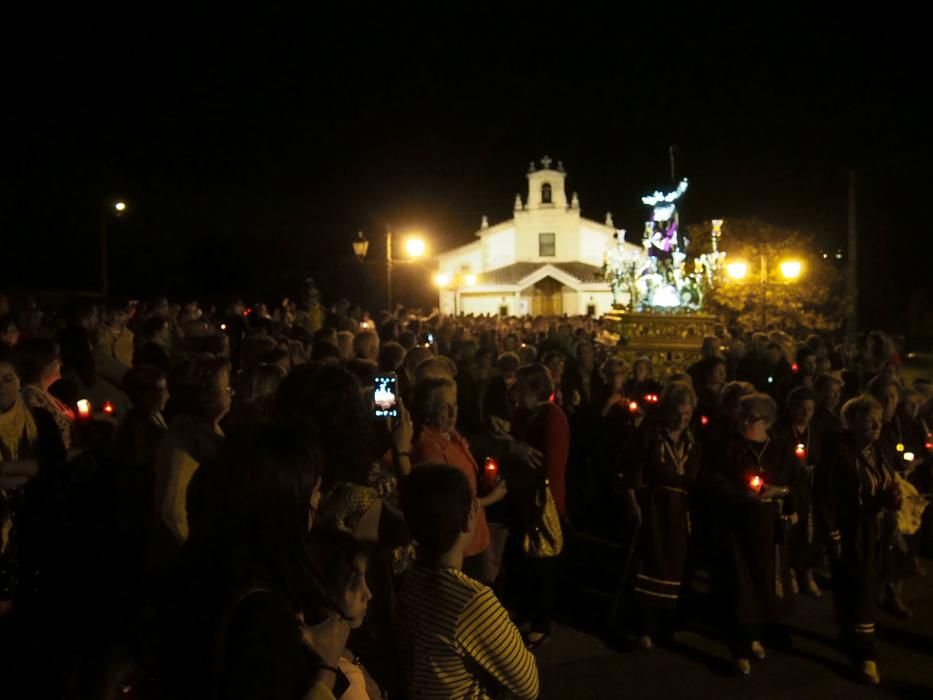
<point>546,539</point>
<point>910,515</point>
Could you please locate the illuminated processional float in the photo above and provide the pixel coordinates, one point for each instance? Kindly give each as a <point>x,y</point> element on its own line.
<point>658,292</point>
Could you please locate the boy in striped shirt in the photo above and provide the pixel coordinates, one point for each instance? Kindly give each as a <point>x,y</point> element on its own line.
<point>455,638</point>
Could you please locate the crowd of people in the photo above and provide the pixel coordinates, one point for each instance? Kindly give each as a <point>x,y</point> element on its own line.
<point>203,503</point>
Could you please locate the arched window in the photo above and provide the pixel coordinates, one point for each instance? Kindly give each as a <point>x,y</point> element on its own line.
<point>546,193</point>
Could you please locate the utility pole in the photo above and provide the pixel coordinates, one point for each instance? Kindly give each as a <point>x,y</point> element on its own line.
<point>852,267</point>
<point>104,276</point>
<point>389,269</point>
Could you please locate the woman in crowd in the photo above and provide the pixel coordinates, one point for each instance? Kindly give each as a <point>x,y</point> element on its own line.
<point>795,430</point>
<point>752,479</point>
<point>641,383</point>
<point>343,560</point>
<point>900,562</point>
<point>155,348</point>
<point>83,379</point>
<point>29,441</point>
<point>826,420</point>
<point>202,394</point>
<point>136,439</point>
<point>438,442</point>
<point>359,487</point>
<point>9,332</point>
<point>859,506</point>
<point>659,468</point>
<point>262,621</point>
<point>543,425</point>
<point>254,398</point>
<point>40,368</point>
<point>359,493</point>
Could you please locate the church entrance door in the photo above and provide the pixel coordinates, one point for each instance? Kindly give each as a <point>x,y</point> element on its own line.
<point>547,298</point>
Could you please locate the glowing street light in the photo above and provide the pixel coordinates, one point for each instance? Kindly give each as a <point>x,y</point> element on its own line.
<point>791,269</point>
<point>441,279</point>
<point>415,247</point>
<point>108,210</point>
<point>737,270</point>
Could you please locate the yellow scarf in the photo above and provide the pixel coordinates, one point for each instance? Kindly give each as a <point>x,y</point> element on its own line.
<point>14,424</point>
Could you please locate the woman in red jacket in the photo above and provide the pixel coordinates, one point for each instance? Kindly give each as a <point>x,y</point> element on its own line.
<point>438,442</point>
<point>542,424</point>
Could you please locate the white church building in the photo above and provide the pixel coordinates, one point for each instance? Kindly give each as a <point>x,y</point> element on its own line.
<point>546,260</point>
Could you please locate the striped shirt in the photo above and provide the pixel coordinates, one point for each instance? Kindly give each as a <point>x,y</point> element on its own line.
<point>456,639</point>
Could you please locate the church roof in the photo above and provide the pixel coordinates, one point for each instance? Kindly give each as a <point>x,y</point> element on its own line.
<point>516,272</point>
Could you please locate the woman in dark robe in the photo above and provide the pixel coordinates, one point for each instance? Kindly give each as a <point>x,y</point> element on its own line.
<point>805,444</point>
<point>753,480</point>
<point>659,468</point>
<point>860,507</point>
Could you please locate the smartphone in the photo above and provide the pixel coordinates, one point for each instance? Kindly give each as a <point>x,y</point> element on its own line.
<point>385,396</point>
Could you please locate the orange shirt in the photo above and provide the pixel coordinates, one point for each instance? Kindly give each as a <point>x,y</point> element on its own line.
<point>435,447</point>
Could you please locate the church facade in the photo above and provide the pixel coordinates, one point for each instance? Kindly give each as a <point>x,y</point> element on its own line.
<point>546,260</point>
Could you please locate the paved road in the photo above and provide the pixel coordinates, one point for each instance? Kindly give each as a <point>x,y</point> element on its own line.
<point>576,665</point>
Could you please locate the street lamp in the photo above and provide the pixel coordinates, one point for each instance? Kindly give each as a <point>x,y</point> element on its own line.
<point>360,246</point>
<point>737,270</point>
<point>415,248</point>
<point>444,280</point>
<point>118,208</point>
<point>791,270</point>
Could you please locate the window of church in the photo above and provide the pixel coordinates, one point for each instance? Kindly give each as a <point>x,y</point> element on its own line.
<point>546,193</point>
<point>547,246</point>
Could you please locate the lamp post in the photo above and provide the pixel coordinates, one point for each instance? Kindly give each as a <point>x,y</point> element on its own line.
<point>415,247</point>
<point>444,280</point>
<point>116,209</point>
<point>791,270</point>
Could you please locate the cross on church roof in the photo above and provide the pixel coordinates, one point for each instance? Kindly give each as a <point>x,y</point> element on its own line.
<point>546,162</point>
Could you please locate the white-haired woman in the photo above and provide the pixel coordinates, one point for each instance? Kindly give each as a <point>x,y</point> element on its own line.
<point>754,479</point>
<point>860,506</point>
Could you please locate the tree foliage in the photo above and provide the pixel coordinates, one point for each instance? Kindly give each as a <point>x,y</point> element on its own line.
<point>813,302</point>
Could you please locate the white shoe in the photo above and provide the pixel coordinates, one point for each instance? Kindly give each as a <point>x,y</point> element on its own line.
<point>759,651</point>
<point>870,672</point>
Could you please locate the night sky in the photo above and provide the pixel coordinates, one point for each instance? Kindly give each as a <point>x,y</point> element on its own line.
<point>250,153</point>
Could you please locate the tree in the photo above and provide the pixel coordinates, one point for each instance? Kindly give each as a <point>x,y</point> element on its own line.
<point>813,302</point>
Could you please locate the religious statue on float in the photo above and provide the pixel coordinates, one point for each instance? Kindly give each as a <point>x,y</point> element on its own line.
<point>658,278</point>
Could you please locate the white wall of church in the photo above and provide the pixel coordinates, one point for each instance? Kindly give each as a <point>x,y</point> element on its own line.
<point>563,223</point>
<point>593,245</point>
<point>499,249</point>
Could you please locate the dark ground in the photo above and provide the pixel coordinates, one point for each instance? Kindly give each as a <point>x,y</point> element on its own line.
<point>575,664</point>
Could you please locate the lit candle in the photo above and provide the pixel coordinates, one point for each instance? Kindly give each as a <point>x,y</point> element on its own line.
<point>633,406</point>
<point>704,421</point>
<point>492,470</point>
<point>84,408</point>
<point>756,483</point>
<point>108,408</point>
<point>801,451</point>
